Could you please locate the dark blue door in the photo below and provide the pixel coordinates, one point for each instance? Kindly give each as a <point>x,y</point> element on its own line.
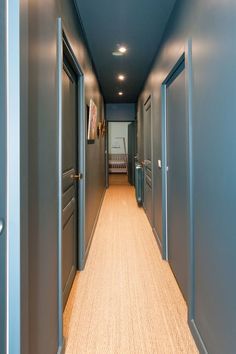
<point>70,188</point>
<point>177,222</point>
<point>131,151</point>
<point>147,127</point>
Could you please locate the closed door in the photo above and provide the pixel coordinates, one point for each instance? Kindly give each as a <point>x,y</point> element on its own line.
<point>131,152</point>
<point>147,126</point>
<point>2,185</point>
<point>69,181</point>
<point>177,223</point>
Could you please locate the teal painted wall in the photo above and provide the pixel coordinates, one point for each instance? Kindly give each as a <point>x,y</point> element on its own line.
<point>212,26</point>
<point>120,112</point>
<point>39,164</point>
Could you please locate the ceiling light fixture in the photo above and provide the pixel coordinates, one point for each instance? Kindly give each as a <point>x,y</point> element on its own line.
<point>121,77</point>
<point>120,93</point>
<point>122,49</point>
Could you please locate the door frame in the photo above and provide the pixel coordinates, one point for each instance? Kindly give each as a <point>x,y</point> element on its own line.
<point>184,54</point>
<point>133,124</point>
<point>106,156</point>
<point>107,146</point>
<point>177,72</point>
<point>14,190</point>
<point>63,46</point>
<point>173,74</point>
<point>149,99</point>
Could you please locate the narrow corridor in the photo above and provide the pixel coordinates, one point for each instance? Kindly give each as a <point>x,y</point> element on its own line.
<point>126,300</point>
<point>127,93</point>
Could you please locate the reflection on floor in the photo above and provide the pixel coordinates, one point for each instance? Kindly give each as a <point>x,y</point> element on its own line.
<point>118,179</point>
<point>126,301</point>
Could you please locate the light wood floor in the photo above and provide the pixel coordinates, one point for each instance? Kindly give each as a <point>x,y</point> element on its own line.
<point>126,301</point>
<point>118,179</point>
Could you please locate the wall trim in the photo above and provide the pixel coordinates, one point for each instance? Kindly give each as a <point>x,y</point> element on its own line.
<point>61,349</point>
<point>157,239</point>
<point>59,103</point>
<point>164,173</point>
<point>197,337</point>
<point>167,81</point>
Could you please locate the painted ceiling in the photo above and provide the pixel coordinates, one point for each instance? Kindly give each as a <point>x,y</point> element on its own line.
<point>136,24</point>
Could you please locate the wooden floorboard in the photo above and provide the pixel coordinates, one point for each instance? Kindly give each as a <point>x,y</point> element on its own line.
<point>126,301</point>
<point>118,179</point>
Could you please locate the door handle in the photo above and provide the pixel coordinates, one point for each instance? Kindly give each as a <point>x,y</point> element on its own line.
<point>77,177</point>
<point>1,226</point>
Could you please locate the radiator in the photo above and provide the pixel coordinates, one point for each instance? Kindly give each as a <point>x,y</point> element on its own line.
<point>139,183</point>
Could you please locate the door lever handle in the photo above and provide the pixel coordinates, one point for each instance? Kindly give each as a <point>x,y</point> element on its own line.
<point>1,226</point>
<point>77,177</point>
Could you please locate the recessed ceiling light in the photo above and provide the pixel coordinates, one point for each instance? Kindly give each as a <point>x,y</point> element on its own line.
<point>117,54</point>
<point>120,93</point>
<point>122,49</point>
<point>121,77</point>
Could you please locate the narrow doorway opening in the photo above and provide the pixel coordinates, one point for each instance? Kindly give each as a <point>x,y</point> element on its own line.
<point>121,152</point>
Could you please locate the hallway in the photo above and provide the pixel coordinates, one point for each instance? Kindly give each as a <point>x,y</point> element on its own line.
<point>130,94</point>
<point>126,301</point>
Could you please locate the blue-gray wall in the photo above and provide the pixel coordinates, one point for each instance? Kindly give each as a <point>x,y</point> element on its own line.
<point>123,112</point>
<point>39,89</point>
<point>212,26</point>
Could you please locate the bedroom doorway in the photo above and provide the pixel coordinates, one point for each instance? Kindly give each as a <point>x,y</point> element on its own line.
<point>119,150</point>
